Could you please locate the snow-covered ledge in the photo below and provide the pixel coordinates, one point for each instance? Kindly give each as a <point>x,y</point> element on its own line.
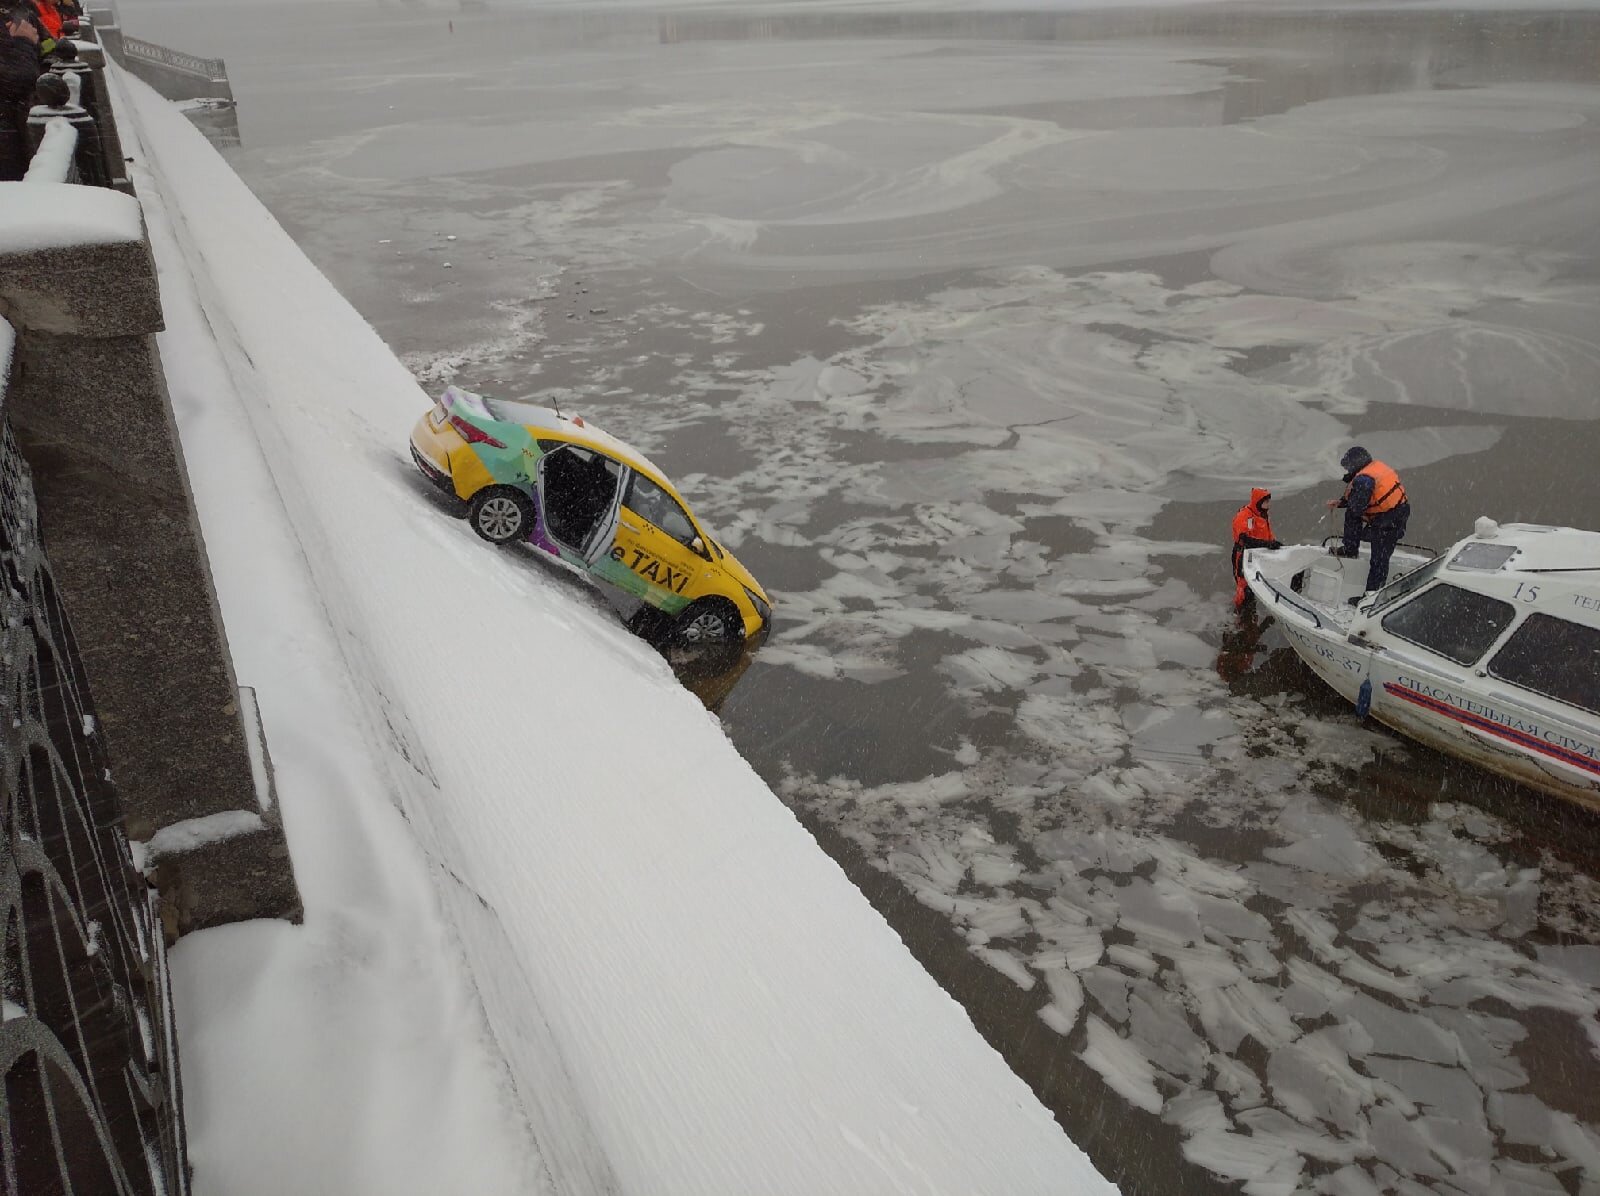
<point>74,261</point>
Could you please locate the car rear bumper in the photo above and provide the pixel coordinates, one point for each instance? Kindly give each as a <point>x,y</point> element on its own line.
<point>432,472</point>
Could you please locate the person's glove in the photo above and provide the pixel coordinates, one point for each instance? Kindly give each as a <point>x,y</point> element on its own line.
<point>1274,544</point>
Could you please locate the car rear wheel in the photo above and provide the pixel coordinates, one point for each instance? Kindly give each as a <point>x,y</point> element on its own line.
<point>500,514</point>
<point>709,621</point>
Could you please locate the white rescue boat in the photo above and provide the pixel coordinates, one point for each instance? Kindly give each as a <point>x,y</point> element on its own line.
<point>1489,651</point>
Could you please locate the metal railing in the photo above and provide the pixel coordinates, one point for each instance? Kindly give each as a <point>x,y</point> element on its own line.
<point>1288,597</point>
<point>91,1101</point>
<point>177,60</point>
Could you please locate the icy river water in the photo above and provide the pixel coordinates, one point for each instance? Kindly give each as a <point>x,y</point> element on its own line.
<point>970,331</point>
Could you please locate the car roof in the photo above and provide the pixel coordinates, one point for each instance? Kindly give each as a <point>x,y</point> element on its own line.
<point>576,430</point>
<point>544,420</point>
<point>614,446</point>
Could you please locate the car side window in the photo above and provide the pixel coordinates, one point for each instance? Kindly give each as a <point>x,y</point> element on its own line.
<point>1457,624</point>
<point>1554,657</point>
<point>651,502</point>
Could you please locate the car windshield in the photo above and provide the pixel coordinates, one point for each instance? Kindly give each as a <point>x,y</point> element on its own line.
<point>1401,586</point>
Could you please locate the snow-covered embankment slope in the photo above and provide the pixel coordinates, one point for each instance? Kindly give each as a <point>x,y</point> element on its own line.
<point>559,935</point>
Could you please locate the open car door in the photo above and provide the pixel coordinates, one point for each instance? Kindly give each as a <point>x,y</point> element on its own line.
<point>605,530</point>
<point>580,494</point>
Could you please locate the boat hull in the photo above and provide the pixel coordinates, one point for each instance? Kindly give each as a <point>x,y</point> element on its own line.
<point>1502,737</point>
<point>1463,713</point>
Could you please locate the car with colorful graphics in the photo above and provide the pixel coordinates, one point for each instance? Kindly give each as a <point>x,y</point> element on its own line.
<point>591,501</point>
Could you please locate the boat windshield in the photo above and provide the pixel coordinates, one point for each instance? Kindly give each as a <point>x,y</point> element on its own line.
<point>1407,584</point>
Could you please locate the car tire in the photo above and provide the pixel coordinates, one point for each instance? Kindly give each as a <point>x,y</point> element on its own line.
<point>651,625</point>
<point>500,514</point>
<point>708,621</point>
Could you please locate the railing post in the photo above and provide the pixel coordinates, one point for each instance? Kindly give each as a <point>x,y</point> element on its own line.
<point>88,157</point>
<point>98,104</point>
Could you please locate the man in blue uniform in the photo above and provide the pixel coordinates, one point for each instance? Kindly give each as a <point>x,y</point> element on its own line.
<point>1375,509</point>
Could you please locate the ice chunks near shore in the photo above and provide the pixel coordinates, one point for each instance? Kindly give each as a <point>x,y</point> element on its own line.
<point>1360,1054</point>
<point>1122,1066</point>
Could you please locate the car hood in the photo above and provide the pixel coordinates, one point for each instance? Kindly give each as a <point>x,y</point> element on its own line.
<point>745,578</point>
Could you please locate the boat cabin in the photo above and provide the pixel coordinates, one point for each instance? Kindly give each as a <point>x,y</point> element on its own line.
<point>1518,603</point>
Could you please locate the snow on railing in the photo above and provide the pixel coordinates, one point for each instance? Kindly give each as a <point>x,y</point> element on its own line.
<point>55,159</point>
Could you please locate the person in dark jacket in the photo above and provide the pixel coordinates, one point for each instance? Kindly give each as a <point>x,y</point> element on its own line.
<point>1252,528</point>
<point>1375,509</point>
<point>19,72</point>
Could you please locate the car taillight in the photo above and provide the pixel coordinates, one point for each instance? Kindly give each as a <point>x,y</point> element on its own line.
<point>472,434</point>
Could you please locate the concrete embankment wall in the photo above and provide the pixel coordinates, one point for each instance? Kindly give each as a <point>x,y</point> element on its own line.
<point>88,1044</point>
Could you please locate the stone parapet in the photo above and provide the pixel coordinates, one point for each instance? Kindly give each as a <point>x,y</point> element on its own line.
<point>60,293</point>
<point>87,400</point>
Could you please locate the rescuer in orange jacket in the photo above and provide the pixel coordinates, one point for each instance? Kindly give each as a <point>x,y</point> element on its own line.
<point>1252,528</point>
<point>1375,509</point>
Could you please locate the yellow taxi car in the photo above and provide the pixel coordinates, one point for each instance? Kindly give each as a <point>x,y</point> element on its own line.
<point>593,502</point>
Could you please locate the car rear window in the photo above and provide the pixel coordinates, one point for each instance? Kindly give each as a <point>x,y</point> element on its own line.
<point>1554,657</point>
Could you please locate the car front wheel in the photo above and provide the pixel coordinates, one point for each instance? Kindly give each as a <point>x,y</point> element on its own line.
<point>500,515</point>
<point>709,621</point>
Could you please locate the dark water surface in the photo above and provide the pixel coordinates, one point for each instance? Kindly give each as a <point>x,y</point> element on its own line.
<point>970,331</point>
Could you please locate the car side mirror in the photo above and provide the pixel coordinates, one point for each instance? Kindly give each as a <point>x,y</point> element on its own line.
<point>699,546</point>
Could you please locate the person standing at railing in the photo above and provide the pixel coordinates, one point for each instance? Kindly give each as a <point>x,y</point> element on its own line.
<point>47,19</point>
<point>20,64</point>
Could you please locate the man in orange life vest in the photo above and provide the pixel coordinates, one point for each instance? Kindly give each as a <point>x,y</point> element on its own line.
<point>1252,528</point>
<point>1375,509</point>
